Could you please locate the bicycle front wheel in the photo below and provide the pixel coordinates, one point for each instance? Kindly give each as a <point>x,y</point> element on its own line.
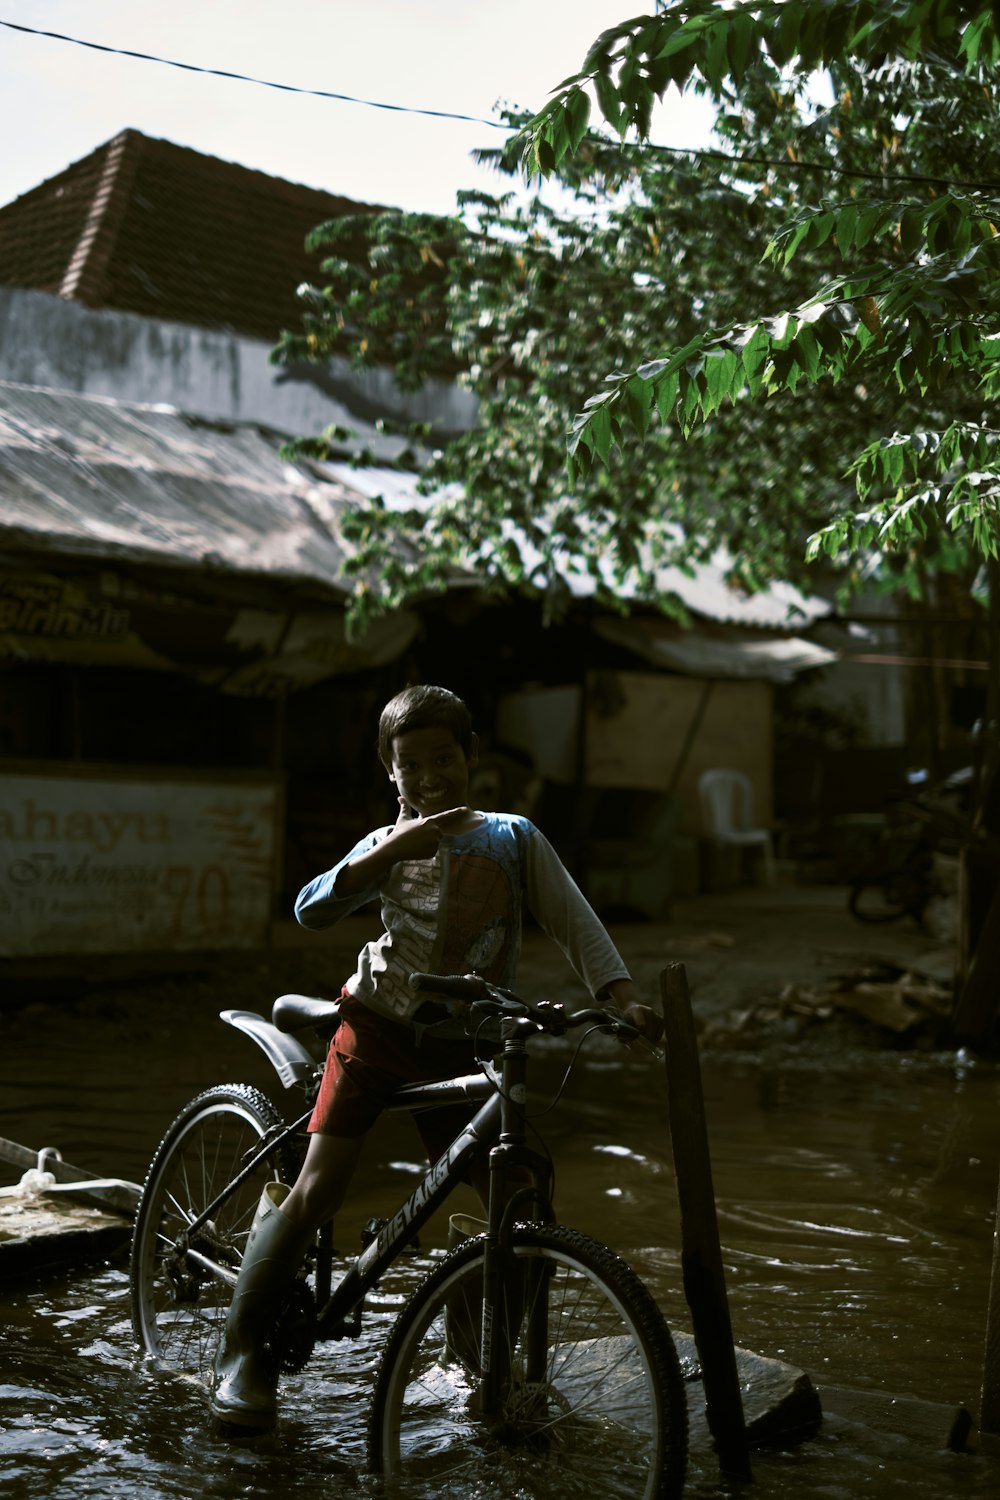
<point>181,1283</point>
<point>594,1401</point>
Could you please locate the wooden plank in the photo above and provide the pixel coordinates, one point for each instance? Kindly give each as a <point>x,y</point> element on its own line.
<point>113,1193</point>
<point>701,1250</point>
<point>25,1158</point>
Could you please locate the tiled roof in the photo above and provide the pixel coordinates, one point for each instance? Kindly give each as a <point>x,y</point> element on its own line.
<point>148,227</point>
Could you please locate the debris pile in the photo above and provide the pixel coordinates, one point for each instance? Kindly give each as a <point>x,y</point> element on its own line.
<point>883,1004</point>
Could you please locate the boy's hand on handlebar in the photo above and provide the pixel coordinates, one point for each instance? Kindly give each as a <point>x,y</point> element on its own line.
<point>645,1020</point>
<point>624,995</point>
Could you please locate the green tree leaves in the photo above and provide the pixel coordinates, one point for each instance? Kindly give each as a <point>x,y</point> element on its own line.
<point>718,45</point>
<point>701,349</point>
<point>909,301</point>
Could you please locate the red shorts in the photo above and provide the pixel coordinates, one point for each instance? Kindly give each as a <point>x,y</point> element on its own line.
<point>369,1058</point>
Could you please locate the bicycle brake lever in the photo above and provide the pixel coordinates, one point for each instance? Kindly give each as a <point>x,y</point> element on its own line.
<point>488,1006</point>
<point>619,1027</point>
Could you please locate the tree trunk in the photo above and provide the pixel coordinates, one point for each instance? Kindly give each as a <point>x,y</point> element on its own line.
<point>978,986</point>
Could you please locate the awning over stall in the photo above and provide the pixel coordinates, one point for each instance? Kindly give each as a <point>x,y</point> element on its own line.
<point>137,536</point>
<point>716,653</point>
<point>124,528</point>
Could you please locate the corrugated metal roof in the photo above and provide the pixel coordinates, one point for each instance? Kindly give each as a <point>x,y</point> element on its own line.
<point>116,484</point>
<point>732,654</point>
<point>102,479</point>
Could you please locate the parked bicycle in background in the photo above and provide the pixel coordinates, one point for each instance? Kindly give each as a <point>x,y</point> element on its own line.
<point>899,876</point>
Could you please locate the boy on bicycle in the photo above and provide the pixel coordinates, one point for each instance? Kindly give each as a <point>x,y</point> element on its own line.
<point>452,883</point>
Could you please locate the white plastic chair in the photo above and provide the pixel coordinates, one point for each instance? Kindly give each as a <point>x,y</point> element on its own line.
<point>727,813</point>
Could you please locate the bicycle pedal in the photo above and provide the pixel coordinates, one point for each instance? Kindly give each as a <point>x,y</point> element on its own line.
<point>349,1327</point>
<point>371,1232</point>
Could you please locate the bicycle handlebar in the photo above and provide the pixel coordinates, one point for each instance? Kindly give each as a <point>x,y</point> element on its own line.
<point>548,1015</point>
<point>456,986</point>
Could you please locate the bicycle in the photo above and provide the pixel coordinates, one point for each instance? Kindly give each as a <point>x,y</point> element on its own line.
<point>898,878</point>
<point>530,1360</point>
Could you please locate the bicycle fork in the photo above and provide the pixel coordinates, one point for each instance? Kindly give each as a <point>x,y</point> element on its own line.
<point>513,1293</point>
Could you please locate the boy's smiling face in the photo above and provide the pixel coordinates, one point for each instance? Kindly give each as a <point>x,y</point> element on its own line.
<point>431,770</point>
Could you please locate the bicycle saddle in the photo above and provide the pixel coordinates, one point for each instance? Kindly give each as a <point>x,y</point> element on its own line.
<point>295,1012</point>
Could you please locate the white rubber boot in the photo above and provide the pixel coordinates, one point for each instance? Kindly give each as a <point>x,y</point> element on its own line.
<point>245,1386</point>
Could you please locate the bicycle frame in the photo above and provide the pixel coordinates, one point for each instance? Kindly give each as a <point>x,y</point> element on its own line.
<point>440,1179</point>
<point>530,1354</point>
<point>499,1129</point>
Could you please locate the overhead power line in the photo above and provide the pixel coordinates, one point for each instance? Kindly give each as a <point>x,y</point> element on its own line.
<point>264,83</point>
<point>827,169</point>
<point>705,153</point>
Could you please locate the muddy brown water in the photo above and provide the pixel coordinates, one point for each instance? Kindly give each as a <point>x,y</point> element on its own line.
<point>856,1193</point>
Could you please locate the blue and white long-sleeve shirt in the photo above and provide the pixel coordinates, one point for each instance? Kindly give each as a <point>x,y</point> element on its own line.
<point>461,912</point>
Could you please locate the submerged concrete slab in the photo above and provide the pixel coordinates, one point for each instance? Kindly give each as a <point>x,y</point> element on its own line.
<point>926,1424</point>
<point>781,1406</point>
<point>40,1232</point>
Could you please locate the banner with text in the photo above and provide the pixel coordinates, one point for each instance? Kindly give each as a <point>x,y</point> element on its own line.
<point>94,864</point>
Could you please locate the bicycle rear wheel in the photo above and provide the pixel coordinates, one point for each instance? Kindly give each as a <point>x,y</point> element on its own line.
<point>178,1301</point>
<point>602,1411</point>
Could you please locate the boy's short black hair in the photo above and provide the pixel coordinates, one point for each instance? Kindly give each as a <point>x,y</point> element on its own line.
<point>423,707</point>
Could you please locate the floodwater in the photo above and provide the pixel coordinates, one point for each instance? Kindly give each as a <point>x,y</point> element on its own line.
<point>856,1194</point>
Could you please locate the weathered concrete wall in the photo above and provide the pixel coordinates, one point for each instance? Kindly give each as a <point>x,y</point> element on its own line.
<point>870,697</point>
<point>47,341</point>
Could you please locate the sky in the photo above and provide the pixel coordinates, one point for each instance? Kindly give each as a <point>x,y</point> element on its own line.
<point>59,101</point>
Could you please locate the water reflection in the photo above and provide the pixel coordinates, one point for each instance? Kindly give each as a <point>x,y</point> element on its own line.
<point>856,1203</point>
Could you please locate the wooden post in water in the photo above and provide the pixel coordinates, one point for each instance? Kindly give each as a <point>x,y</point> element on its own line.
<point>989,1418</point>
<point>701,1251</point>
